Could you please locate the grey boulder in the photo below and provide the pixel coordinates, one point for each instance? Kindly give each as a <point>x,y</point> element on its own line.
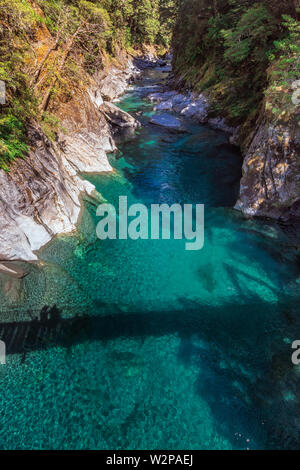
<point>168,121</point>
<point>117,117</point>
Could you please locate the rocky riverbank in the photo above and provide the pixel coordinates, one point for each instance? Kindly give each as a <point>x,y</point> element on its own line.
<point>270,182</point>
<point>244,65</point>
<point>41,195</point>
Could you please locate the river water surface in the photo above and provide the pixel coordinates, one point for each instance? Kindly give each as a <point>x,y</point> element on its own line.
<point>177,349</point>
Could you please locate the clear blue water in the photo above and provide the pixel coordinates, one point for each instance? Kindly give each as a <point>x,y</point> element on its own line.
<point>172,349</point>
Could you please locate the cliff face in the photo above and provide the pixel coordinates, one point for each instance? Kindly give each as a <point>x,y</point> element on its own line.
<point>62,63</point>
<point>40,195</point>
<point>243,65</point>
<point>270,184</point>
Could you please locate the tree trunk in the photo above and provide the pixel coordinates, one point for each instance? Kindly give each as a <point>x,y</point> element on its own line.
<point>297,8</point>
<point>215,2</point>
<point>67,51</point>
<point>45,58</point>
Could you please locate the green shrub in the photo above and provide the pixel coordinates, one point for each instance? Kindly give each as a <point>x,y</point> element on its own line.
<point>12,141</point>
<point>250,36</point>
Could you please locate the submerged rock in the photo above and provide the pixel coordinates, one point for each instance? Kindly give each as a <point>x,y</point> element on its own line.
<point>13,270</point>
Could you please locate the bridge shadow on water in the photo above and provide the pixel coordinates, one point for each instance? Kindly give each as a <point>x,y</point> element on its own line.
<point>49,327</point>
<point>255,368</point>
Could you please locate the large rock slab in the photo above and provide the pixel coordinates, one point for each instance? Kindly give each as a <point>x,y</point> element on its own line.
<point>12,270</point>
<point>88,137</point>
<point>113,82</point>
<point>196,108</point>
<point>168,121</point>
<point>164,106</point>
<point>117,117</point>
<point>270,186</point>
<point>40,197</point>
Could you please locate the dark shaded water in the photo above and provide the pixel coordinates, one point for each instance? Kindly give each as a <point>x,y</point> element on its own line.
<point>171,349</point>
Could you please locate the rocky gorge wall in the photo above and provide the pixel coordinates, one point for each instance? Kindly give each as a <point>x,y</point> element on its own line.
<point>41,194</point>
<point>270,184</point>
<point>242,61</point>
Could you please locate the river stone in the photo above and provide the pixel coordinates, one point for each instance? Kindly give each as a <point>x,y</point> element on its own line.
<point>189,105</point>
<point>220,123</point>
<point>164,105</point>
<point>197,108</point>
<point>179,102</point>
<point>166,69</point>
<point>161,63</point>
<point>12,270</point>
<point>158,97</point>
<point>167,120</point>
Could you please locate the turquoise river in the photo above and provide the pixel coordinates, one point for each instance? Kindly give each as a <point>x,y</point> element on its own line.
<point>150,346</point>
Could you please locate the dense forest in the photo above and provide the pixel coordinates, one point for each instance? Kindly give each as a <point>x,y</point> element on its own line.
<point>241,52</point>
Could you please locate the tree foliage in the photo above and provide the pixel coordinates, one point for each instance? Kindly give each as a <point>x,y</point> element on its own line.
<point>239,51</point>
<point>78,33</point>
